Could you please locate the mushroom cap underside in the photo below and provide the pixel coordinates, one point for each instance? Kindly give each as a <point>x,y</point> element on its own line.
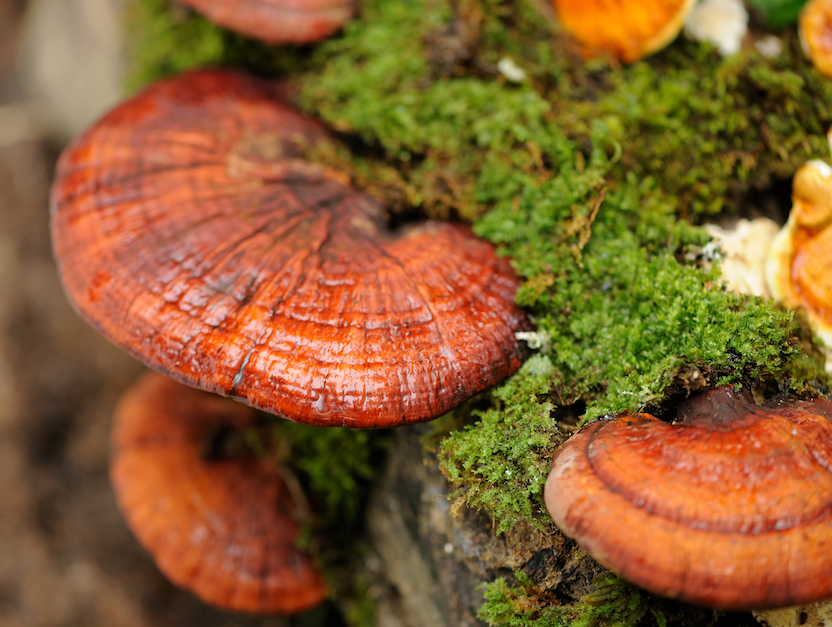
<point>191,231</point>
<point>278,21</point>
<point>225,529</point>
<point>729,507</point>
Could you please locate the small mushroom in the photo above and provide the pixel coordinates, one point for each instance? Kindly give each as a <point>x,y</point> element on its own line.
<point>225,528</point>
<point>729,506</point>
<point>799,264</point>
<point>743,249</point>
<point>627,30</point>
<point>723,23</point>
<point>278,21</point>
<point>190,230</point>
<point>815,30</point>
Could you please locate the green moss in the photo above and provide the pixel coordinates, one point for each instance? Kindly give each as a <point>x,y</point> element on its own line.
<point>165,39</point>
<point>614,603</point>
<point>628,314</point>
<point>708,135</point>
<point>519,435</point>
<point>778,12</point>
<point>335,464</point>
<point>334,467</point>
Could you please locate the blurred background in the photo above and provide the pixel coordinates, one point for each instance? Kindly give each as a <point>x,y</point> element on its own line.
<point>66,556</point>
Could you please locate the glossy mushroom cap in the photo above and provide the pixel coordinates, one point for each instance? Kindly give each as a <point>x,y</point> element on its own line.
<point>815,29</point>
<point>224,529</point>
<point>278,21</point>
<point>799,264</point>
<point>729,506</point>
<point>190,230</point>
<point>627,30</point>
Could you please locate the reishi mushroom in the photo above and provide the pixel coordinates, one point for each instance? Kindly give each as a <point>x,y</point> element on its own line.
<point>226,528</point>
<point>799,264</point>
<point>815,30</point>
<point>191,230</point>
<point>729,506</point>
<point>278,21</point>
<point>627,30</point>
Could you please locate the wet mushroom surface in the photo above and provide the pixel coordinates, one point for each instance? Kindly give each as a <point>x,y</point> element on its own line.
<point>799,264</point>
<point>727,506</point>
<point>627,30</point>
<point>278,21</point>
<point>190,230</point>
<point>224,524</point>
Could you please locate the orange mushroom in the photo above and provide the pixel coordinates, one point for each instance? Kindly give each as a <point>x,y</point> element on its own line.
<point>799,264</point>
<point>191,231</point>
<point>627,30</point>
<point>815,30</point>
<point>278,21</point>
<point>225,529</point>
<point>729,505</point>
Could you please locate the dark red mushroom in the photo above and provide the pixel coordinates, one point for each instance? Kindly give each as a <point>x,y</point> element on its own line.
<point>278,21</point>
<point>190,230</point>
<point>224,528</point>
<point>728,506</point>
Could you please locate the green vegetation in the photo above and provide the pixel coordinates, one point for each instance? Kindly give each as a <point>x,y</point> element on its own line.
<point>592,177</point>
<point>165,39</point>
<point>614,602</point>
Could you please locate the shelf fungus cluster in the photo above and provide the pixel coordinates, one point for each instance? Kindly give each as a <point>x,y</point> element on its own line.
<point>222,524</point>
<point>799,265</point>
<point>278,21</point>
<point>626,30</point>
<point>192,229</point>
<point>729,505</point>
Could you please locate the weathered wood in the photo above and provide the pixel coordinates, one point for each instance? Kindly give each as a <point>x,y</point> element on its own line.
<point>437,561</point>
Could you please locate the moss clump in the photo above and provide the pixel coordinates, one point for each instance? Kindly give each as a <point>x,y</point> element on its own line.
<point>709,128</point>
<point>165,39</point>
<point>613,603</point>
<point>628,313</point>
<point>521,435</point>
<point>710,135</point>
<point>336,465</point>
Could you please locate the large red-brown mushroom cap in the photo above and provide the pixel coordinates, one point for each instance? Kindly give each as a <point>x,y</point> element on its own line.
<point>190,231</point>
<point>225,529</point>
<point>278,21</point>
<point>730,506</point>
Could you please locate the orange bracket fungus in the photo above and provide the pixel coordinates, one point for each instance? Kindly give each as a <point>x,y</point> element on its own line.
<point>729,506</point>
<point>191,231</point>
<point>278,21</point>
<point>799,264</point>
<point>627,30</point>
<point>225,529</point>
<point>815,29</point>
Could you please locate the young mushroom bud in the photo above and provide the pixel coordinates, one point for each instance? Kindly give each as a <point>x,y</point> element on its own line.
<point>278,21</point>
<point>224,528</point>
<point>627,30</point>
<point>815,30</point>
<point>729,505</point>
<point>191,230</point>
<point>799,264</point>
